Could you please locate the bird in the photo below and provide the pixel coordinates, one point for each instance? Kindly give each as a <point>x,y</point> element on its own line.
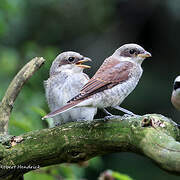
<point>175,97</point>
<point>116,78</point>
<point>66,78</point>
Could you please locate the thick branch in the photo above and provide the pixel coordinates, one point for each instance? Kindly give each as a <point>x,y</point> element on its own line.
<point>153,136</point>
<point>13,90</point>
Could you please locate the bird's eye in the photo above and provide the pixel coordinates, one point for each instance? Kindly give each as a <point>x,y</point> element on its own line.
<point>132,51</point>
<point>71,59</point>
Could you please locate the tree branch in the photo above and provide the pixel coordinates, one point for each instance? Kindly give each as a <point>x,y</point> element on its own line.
<point>13,90</point>
<point>154,136</point>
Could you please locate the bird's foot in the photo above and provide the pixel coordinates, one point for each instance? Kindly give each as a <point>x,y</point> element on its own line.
<point>112,117</point>
<point>121,117</point>
<point>57,124</point>
<point>124,110</point>
<point>84,120</point>
<point>130,115</point>
<point>81,119</point>
<point>107,112</point>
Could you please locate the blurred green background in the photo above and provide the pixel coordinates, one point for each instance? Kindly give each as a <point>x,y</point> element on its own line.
<point>95,29</point>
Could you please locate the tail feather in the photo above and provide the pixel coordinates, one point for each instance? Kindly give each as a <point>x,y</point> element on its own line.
<point>67,107</point>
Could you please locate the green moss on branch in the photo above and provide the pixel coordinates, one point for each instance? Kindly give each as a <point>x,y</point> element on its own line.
<point>151,135</point>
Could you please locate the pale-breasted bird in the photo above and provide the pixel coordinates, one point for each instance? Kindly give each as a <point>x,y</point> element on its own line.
<point>175,97</point>
<point>65,81</point>
<point>113,82</point>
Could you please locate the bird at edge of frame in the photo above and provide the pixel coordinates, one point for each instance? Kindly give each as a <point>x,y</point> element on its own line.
<point>65,81</point>
<point>112,83</point>
<point>175,97</point>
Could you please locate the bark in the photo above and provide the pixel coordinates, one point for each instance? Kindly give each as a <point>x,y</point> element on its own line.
<point>153,135</point>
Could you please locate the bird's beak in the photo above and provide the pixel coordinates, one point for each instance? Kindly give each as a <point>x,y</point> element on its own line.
<point>79,63</point>
<point>145,55</point>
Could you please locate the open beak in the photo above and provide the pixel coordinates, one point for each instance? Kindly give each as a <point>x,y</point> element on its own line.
<point>145,55</point>
<point>81,65</point>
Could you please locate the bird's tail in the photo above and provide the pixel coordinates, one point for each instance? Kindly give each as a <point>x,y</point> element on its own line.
<point>67,107</point>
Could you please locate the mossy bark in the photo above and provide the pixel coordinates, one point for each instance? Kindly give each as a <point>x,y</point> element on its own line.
<point>153,135</point>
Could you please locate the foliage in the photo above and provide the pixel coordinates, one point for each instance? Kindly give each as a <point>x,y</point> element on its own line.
<point>65,171</point>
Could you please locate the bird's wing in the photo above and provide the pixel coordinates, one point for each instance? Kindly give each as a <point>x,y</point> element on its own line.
<point>111,73</point>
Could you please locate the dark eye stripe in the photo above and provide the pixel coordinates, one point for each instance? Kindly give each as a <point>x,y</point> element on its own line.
<point>129,52</point>
<point>176,85</point>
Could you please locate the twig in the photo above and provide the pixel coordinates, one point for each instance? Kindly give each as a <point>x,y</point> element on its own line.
<point>14,89</point>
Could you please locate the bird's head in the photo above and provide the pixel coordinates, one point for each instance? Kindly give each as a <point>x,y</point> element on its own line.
<point>175,97</point>
<point>176,85</point>
<point>132,52</point>
<point>69,61</point>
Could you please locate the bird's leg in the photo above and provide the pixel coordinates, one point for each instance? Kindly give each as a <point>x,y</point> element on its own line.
<point>107,112</point>
<point>109,115</point>
<point>57,124</point>
<point>127,112</point>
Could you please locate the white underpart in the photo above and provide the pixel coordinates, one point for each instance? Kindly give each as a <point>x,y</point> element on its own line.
<point>61,88</point>
<point>176,93</point>
<point>177,79</point>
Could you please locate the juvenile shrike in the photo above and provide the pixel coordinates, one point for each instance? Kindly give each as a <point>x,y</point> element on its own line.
<point>175,98</point>
<point>112,83</point>
<point>65,81</point>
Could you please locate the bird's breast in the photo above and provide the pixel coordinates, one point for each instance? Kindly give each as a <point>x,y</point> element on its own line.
<point>175,99</point>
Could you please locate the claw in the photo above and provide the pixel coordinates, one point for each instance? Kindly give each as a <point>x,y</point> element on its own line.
<point>130,115</point>
<point>112,117</point>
